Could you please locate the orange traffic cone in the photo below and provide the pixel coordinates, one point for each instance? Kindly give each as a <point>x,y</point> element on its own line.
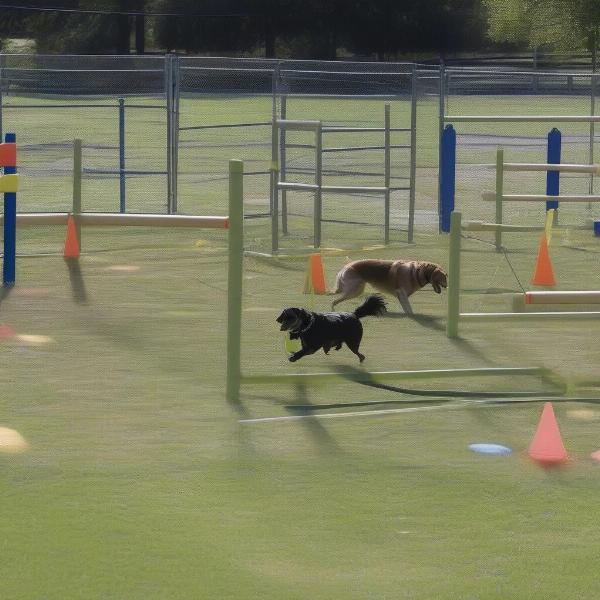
<point>71,245</point>
<point>543,274</point>
<point>547,446</point>
<point>315,276</point>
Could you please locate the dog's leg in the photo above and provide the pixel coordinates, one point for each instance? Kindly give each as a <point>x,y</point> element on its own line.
<point>351,288</point>
<point>404,303</point>
<point>303,352</point>
<point>354,344</point>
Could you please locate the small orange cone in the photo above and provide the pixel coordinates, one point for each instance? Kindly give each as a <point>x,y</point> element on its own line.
<point>315,276</point>
<point>547,446</point>
<point>71,245</point>
<point>543,274</point>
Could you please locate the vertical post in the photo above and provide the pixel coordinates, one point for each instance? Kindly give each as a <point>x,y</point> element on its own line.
<point>168,77</point>
<point>10,226</point>
<point>454,276</point>
<point>122,155</point>
<point>499,193</point>
<point>77,172</point>
<point>235,279</point>
<point>553,177</point>
<point>172,89</point>
<point>274,170</point>
<point>592,131</point>
<point>282,166</point>
<point>274,180</point>
<point>413,155</point>
<point>441,117</point>
<point>318,208</point>
<point>447,177</point>
<point>387,174</point>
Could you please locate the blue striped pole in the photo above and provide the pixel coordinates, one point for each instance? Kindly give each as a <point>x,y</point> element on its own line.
<point>448,177</point>
<point>10,227</point>
<point>552,177</point>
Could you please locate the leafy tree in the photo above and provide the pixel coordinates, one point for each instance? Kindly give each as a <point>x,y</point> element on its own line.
<point>565,24</point>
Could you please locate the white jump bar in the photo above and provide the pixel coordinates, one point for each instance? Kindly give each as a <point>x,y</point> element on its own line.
<point>521,118</point>
<point>561,167</point>
<point>545,198</point>
<point>109,219</point>
<point>296,125</point>
<point>530,315</point>
<point>562,297</point>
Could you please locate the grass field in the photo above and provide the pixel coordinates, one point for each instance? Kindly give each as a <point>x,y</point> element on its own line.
<point>140,481</point>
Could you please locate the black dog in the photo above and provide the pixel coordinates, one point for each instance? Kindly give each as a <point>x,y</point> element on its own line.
<point>328,330</point>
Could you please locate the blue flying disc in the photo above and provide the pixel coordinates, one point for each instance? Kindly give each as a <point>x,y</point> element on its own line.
<point>490,449</point>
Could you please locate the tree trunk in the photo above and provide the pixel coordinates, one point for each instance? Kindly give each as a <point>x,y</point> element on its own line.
<point>123,29</point>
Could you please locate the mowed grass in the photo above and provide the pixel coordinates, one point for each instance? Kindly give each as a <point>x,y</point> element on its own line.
<point>141,483</point>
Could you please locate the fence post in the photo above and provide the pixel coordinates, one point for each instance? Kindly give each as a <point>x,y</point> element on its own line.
<point>454,276</point>
<point>77,170</point>
<point>235,279</point>
<point>553,177</point>
<point>122,155</point>
<point>318,208</point>
<point>413,154</point>
<point>10,226</point>
<point>499,193</point>
<point>447,176</point>
<point>387,174</point>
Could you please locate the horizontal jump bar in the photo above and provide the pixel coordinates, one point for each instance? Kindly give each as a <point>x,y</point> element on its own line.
<point>334,129</point>
<point>480,226</point>
<point>546,198</point>
<point>530,315</point>
<point>563,168</point>
<point>389,375</point>
<point>340,189</point>
<point>298,125</point>
<point>107,219</point>
<point>562,297</point>
<point>521,118</point>
<point>358,148</point>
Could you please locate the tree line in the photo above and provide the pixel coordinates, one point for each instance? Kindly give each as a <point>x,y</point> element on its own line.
<point>323,29</point>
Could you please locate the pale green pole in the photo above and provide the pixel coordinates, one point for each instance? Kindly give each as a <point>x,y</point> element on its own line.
<point>499,192</point>
<point>77,188</point>
<point>234,279</point>
<point>454,276</point>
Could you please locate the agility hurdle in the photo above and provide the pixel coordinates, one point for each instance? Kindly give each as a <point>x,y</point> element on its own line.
<point>500,197</point>
<point>234,376</point>
<point>454,314</point>
<point>279,168</point>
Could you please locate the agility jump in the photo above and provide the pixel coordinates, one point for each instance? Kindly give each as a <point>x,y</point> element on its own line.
<point>454,272</point>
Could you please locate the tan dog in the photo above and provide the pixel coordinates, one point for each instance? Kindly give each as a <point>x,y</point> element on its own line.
<point>400,278</point>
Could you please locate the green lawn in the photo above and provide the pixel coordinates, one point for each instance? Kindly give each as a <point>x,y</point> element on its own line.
<point>141,482</point>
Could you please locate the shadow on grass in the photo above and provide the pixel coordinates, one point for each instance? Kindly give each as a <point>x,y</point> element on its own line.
<point>5,292</point>
<point>76,278</point>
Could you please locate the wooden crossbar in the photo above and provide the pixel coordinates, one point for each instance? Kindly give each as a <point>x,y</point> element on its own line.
<point>108,219</point>
<point>562,297</point>
<point>560,167</point>
<point>530,315</point>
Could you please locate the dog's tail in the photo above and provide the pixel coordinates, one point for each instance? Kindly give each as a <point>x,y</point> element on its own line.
<point>373,306</point>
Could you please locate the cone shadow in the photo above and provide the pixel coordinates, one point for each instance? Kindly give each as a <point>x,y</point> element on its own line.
<point>76,278</point>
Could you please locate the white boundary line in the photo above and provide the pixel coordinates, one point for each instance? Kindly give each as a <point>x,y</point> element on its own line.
<point>366,413</point>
